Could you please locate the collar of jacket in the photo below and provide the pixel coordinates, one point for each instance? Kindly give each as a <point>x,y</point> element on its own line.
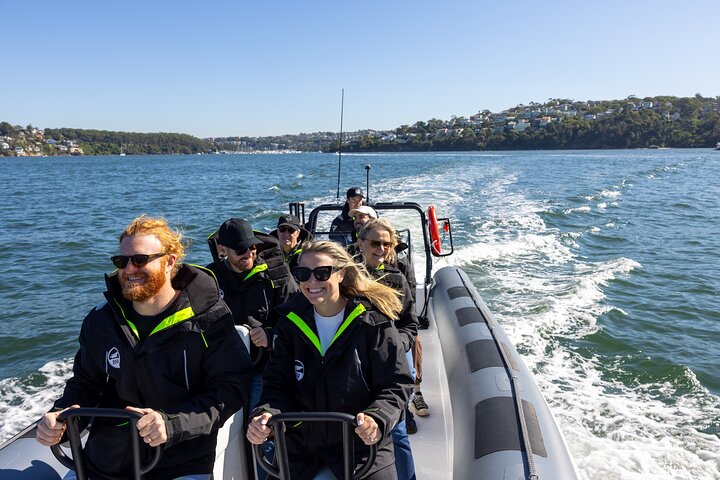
<point>198,293</point>
<point>296,251</point>
<point>258,267</point>
<point>235,281</point>
<point>301,307</point>
<point>311,333</point>
<point>385,269</point>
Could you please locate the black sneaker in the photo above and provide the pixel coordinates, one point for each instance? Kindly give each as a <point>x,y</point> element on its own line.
<point>419,406</point>
<point>410,422</point>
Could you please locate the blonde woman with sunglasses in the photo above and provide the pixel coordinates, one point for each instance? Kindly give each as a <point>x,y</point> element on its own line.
<point>336,349</point>
<point>377,242</point>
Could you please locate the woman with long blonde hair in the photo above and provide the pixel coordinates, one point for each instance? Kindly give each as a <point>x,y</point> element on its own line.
<point>377,241</point>
<point>335,349</point>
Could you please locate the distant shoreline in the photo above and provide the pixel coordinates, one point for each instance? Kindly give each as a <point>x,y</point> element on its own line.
<point>404,153</point>
<point>558,124</point>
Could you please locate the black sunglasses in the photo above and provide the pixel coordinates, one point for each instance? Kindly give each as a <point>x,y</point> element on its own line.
<point>139,260</point>
<point>321,273</point>
<point>240,253</point>
<point>285,229</point>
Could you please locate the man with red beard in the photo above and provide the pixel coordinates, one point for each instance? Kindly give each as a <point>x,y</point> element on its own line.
<point>163,346</point>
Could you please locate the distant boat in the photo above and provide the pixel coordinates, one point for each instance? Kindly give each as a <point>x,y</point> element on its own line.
<point>122,154</point>
<point>717,146</point>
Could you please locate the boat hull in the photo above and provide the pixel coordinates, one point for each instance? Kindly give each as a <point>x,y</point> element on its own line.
<point>487,439</point>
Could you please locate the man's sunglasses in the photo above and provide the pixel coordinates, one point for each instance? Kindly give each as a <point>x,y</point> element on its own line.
<point>378,244</point>
<point>139,260</point>
<point>284,229</point>
<point>321,273</point>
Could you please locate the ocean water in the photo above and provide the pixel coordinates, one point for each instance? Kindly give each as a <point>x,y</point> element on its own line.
<point>602,266</point>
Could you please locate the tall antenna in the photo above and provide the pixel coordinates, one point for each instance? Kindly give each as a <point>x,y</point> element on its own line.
<point>367,184</point>
<point>342,106</point>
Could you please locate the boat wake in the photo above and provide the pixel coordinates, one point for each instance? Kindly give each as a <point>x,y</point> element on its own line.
<point>552,304</point>
<point>26,399</point>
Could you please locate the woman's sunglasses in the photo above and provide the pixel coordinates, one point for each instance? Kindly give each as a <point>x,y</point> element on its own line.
<point>321,273</point>
<point>378,244</point>
<point>139,260</point>
<point>284,229</point>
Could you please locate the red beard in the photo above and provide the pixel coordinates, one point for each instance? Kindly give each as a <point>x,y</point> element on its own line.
<point>154,281</point>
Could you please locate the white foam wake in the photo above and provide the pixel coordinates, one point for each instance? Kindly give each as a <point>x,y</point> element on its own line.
<point>25,400</point>
<point>548,299</point>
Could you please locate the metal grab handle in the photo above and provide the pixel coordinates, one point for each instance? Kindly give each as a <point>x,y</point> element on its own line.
<point>78,461</point>
<point>277,423</point>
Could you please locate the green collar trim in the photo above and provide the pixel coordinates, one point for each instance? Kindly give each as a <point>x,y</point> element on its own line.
<point>130,324</point>
<point>353,315</point>
<point>294,253</point>
<point>177,317</point>
<point>304,328</point>
<point>257,269</point>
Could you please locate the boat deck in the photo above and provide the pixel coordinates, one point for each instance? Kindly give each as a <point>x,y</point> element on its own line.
<point>432,445</point>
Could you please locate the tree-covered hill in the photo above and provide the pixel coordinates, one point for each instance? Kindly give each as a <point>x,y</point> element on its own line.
<point>30,141</point>
<point>561,124</point>
<point>99,142</point>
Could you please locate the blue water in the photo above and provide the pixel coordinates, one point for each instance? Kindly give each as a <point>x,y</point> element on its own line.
<point>602,267</point>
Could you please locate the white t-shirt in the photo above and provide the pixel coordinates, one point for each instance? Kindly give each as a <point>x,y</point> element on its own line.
<point>327,326</point>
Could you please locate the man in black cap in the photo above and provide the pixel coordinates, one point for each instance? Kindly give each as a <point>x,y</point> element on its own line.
<point>291,234</point>
<point>342,228</point>
<point>248,290</point>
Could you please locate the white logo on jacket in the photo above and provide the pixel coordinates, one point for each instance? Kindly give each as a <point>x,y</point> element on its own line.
<point>299,370</point>
<point>113,358</point>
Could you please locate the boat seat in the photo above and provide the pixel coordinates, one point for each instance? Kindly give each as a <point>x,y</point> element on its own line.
<point>231,461</point>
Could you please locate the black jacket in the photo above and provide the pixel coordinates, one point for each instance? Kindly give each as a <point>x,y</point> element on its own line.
<point>194,369</point>
<point>407,322</point>
<point>252,298</point>
<point>363,370</point>
<point>404,264</point>
<point>342,228</point>
<point>293,258</point>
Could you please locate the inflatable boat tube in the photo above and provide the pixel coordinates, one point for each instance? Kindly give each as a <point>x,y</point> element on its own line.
<point>498,412</point>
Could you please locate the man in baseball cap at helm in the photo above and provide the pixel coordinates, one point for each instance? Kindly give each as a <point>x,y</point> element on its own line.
<point>342,227</point>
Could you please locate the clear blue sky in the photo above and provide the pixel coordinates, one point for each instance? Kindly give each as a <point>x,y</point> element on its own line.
<point>221,68</point>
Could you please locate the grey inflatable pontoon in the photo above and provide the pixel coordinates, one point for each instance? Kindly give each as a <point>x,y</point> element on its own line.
<point>479,389</point>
